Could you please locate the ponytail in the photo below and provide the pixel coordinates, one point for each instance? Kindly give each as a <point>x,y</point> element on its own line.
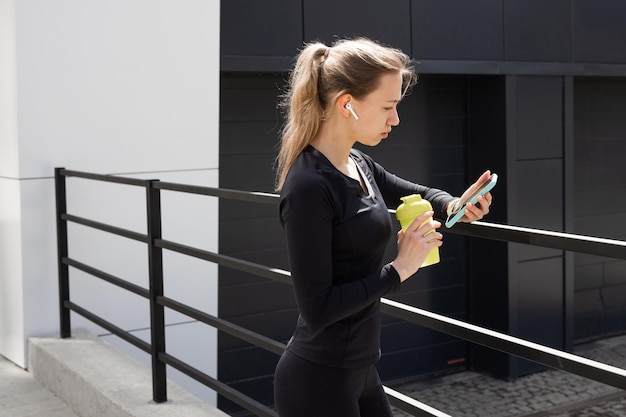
<point>304,109</point>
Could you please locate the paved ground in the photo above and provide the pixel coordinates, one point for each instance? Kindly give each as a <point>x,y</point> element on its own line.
<point>546,394</point>
<point>22,396</point>
<point>550,393</point>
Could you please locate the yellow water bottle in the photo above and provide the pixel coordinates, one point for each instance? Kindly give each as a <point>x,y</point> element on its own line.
<point>412,207</point>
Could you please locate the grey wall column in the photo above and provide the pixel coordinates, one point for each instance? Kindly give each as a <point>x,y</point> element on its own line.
<point>516,128</point>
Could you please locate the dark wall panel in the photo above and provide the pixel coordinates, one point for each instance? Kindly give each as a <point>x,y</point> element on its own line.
<point>249,126</point>
<point>540,197</point>
<point>588,310</point>
<point>537,166</point>
<point>271,324</point>
<point>453,127</point>
<point>539,205</point>
<point>255,299</point>
<point>540,302</point>
<point>482,36</point>
<point>599,31</point>
<point>488,291</point>
<point>430,360</point>
<point>326,20</point>
<point>487,150</point>
<point>260,27</point>
<point>507,282</point>
<point>457,29</point>
<point>537,30</point>
<point>539,155</point>
<point>539,123</point>
<point>599,203</point>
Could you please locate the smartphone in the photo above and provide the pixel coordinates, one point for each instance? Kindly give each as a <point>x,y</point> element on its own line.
<point>458,210</point>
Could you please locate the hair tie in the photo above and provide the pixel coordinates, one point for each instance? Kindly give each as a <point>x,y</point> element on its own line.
<point>326,52</point>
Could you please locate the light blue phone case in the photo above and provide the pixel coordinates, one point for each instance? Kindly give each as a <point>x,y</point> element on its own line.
<point>473,199</point>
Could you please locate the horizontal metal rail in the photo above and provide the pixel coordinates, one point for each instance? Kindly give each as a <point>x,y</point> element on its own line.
<point>225,326</point>
<point>556,240</point>
<point>511,345</point>
<point>499,341</point>
<point>249,196</point>
<point>225,390</point>
<point>102,177</point>
<point>128,286</point>
<point>544,238</point>
<point>141,237</point>
<point>535,352</point>
<point>228,261</point>
<point>123,334</point>
<point>411,405</point>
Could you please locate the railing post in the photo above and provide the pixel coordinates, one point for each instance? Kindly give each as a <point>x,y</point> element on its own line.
<point>62,253</point>
<point>157,311</point>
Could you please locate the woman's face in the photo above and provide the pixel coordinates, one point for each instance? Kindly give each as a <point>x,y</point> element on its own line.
<point>378,111</point>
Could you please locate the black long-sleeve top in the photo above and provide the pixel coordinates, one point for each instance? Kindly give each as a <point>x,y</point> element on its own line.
<point>336,239</point>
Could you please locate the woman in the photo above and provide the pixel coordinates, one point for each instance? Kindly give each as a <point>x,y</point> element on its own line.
<point>333,208</point>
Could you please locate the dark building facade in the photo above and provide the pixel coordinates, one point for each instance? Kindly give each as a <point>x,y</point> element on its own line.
<point>534,90</point>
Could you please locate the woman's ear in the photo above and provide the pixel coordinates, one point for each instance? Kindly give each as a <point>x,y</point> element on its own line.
<point>344,105</point>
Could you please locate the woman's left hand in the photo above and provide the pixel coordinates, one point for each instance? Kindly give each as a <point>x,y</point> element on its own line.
<point>477,211</point>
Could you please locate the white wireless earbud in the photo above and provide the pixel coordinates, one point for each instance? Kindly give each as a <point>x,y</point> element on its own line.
<point>351,110</point>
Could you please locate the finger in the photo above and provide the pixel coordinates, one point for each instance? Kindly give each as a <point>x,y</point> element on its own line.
<point>481,210</point>
<point>488,198</point>
<point>472,212</point>
<point>483,177</point>
<point>417,223</point>
<point>399,236</point>
<point>434,237</point>
<point>428,227</point>
<point>483,204</point>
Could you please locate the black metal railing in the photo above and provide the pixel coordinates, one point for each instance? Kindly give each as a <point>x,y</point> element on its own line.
<point>159,301</point>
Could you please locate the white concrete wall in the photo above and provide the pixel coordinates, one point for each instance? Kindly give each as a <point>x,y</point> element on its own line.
<point>128,87</point>
<point>11,328</point>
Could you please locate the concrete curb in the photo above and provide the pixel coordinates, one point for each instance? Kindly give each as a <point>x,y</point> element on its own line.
<point>96,380</point>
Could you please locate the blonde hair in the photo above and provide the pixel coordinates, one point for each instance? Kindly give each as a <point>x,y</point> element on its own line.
<point>320,76</point>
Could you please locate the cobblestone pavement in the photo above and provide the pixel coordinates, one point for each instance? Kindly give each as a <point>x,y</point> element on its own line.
<point>550,393</point>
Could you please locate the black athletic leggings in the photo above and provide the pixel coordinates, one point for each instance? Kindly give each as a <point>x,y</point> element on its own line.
<point>306,389</point>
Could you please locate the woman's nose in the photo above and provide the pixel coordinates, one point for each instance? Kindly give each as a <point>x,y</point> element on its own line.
<point>394,119</point>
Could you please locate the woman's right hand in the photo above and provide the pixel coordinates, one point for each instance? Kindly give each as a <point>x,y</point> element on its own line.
<point>415,243</point>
